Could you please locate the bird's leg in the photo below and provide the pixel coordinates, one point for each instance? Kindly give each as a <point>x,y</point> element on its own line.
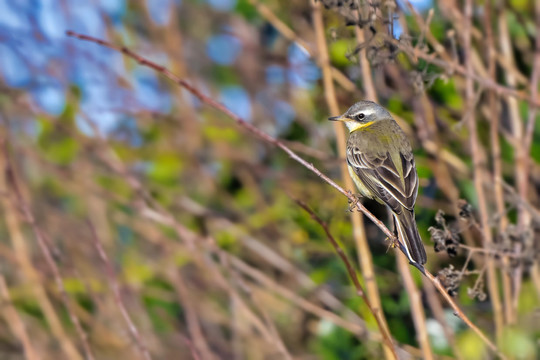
<point>353,203</point>
<point>394,241</point>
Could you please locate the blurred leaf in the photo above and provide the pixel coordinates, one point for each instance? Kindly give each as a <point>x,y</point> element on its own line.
<point>74,286</point>
<point>339,49</point>
<point>226,240</point>
<point>445,92</point>
<point>166,168</point>
<point>471,346</point>
<point>220,133</point>
<point>518,344</point>
<point>135,270</point>
<point>334,343</point>
<point>246,9</point>
<point>163,313</point>
<point>62,151</point>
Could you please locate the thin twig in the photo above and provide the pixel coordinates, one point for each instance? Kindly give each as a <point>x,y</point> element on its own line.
<point>115,287</point>
<point>414,296</point>
<point>192,321</point>
<point>270,140</point>
<point>15,323</point>
<point>417,308</point>
<point>352,274</point>
<point>470,120</point>
<point>191,347</point>
<point>496,157</point>
<point>359,231</point>
<point>520,157</point>
<point>453,67</point>
<point>529,131</point>
<point>12,181</point>
<point>437,310</point>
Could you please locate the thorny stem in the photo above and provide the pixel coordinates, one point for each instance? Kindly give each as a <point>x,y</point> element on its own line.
<point>267,138</point>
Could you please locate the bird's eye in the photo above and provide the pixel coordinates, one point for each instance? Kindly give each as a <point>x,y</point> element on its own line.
<point>360,116</point>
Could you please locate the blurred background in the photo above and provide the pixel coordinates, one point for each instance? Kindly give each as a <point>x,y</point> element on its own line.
<point>137,222</point>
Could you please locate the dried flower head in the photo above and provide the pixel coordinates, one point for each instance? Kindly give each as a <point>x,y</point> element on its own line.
<point>465,209</point>
<point>477,291</point>
<point>444,238</point>
<point>450,278</point>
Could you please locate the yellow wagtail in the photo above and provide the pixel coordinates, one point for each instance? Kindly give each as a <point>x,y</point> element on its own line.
<point>381,163</point>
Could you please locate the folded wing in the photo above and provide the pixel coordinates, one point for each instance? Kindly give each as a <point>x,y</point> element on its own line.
<point>392,179</point>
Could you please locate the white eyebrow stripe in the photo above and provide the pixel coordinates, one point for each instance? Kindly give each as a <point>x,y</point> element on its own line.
<point>365,112</point>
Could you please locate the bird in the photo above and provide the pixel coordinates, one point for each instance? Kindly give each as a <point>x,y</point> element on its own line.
<point>381,163</point>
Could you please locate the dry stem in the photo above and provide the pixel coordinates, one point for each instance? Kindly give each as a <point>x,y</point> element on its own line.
<point>352,275</point>
<point>20,202</point>
<point>115,287</point>
<point>359,232</point>
<point>479,173</point>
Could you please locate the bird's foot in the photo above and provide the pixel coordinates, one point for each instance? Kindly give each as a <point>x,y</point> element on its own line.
<point>394,243</point>
<point>353,203</point>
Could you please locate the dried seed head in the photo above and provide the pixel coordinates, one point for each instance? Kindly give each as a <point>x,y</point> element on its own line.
<point>439,218</point>
<point>450,278</point>
<point>465,209</point>
<point>477,291</point>
<point>445,239</point>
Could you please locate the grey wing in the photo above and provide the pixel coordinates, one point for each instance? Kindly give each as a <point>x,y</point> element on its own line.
<point>380,174</point>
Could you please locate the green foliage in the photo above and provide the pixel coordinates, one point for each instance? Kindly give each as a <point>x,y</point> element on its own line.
<point>519,344</point>
<point>444,91</point>
<point>334,343</point>
<point>338,51</point>
<point>471,346</point>
<point>165,169</point>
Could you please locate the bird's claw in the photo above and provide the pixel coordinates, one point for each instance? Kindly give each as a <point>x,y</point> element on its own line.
<point>394,243</point>
<point>353,203</point>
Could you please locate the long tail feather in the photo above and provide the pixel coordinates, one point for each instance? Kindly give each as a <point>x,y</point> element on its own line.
<point>409,236</point>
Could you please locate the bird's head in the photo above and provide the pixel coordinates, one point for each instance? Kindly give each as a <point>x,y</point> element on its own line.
<point>362,114</point>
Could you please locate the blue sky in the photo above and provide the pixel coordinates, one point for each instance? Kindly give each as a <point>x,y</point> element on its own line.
<point>48,64</point>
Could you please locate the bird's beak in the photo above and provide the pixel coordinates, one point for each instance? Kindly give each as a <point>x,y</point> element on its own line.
<point>338,118</point>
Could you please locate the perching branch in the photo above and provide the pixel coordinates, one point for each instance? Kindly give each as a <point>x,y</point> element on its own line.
<point>273,141</point>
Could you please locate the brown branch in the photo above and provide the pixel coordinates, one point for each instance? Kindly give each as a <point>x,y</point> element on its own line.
<point>192,321</point>
<point>496,156</point>
<point>270,140</point>
<point>453,67</point>
<point>191,347</point>
<point>359,231</point>
<point>15,323</point>
<point>470,120</point>
<point>520,157</point>
<point>437,310</point>
<point>20,202</point>
<point>531,121</point>
<point>115,287</point>
<point>352,275</point>
<point>417,309</point>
